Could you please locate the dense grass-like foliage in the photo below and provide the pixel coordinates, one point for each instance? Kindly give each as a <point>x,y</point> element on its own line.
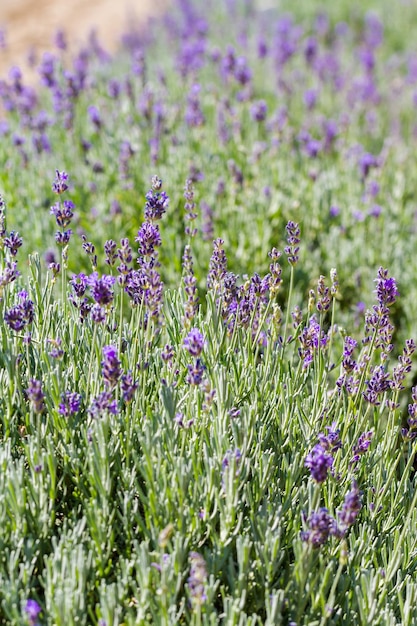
<point>208,411</point>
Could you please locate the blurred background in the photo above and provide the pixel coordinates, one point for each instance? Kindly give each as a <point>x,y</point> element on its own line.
<point>29,26</point>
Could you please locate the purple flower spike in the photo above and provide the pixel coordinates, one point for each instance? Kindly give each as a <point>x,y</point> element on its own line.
<point>111,370</point>
<point>70,404</point>
<point>13,242</point>
<point>258,111</point>
<point>22,314</point>
<point>129,387</point>
<point>63,213</point>
<point>319,462</point>
<point>197,579</point>
<point>60,183</point>
<point>32,610</point>
<point>350,509</point>
<point>194,342</point>
<point>36,395</point>
<point>321,526</point>
<point>386,288</point>
<point>196,373</point>
<point>148,238</point>
<point>94,115</point>
<point>293,239</point>
<point>156,202</point>
<point>101,288</point>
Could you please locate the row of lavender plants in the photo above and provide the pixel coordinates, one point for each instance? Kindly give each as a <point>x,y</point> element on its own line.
<point>208,412</point>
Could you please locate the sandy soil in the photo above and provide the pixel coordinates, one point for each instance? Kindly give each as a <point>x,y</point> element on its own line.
<point>31,24</point>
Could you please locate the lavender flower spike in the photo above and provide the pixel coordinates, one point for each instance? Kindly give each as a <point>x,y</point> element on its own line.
<point>197,579</point>
<point>319,462</point>
<point>194,342</point>
<point>350,509</point>
<point>60,183</point>
<point>36,395</point>
<point>111,370</point>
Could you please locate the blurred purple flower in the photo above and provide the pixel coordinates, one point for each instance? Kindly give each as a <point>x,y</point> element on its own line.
<point>32,610</point>
<point>197,580</point>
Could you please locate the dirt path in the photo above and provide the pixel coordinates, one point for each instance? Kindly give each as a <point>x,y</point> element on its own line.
<point>32,24</point>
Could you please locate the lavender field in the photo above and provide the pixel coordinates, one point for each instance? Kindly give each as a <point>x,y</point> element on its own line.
<point>208,291</point>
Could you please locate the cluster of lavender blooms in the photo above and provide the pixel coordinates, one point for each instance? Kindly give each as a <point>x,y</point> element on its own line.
<point>112,375</point>
<point>321,525</point>
<point>342,61</point>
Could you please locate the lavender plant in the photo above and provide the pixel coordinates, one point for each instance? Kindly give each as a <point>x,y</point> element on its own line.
<point>205,422</point>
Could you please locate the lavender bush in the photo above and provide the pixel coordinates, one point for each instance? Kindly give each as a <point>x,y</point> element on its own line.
<point>207,359</point>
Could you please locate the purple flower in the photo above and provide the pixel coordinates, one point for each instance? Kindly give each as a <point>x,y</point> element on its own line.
<point>194,115</point>
<point>128,386</point>
<point>194,342</point>
<point>79,284</point>
<point>103,403</point>
<point>366,162</point>
<point>318,461</point>
<point>101,288</point>
<point>63,213</point>
<point>9,274</point>
<point>195,372</point>
<point>258,111</point>
<point>330,441</point>
<point>190,213</point>
<point>321,525</point>
<point>110,250</point>
<point>32,610</point>
<point>56,352</point>
<point>377,385</point>
<point>126,153</point>
<point>149,238</point>
<point>156,201</point>
<point>60,183</point>
<point>70,403</point>
<point>323,296</point>
<point>217,266</point>
<point>386,288</point>
<point>46,70</point>
<point>232,457</point>
<point>94,115</point>
<point>62,238</point>
<point>311,339</point>
<point>362,445</point>
<point>36,395</point>
<point>293,239</point>
<point>97,313</point>
<point>310,98</point>
<point>21,314</point>
<point>197,579</point>
<point>13,242</point>
<point>350,509</point>
<point>111,369</point>
<point>404,365</point>
<point>190,286</point>
<point>167,354</point>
